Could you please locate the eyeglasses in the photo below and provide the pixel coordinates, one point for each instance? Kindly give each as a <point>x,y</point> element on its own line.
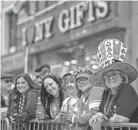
<point>8,81</point>
<point>82,79</point>
<point>112,73</point>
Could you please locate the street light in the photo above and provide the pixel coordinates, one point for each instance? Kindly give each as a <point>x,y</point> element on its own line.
<point>28,39</point>
<point>67,63</point>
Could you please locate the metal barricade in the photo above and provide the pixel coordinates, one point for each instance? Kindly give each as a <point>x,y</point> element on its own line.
<point>39,125</point>
<point>51,125</point>
<point>120,126</point>
<point>5,124</point>
<point>116,126</point>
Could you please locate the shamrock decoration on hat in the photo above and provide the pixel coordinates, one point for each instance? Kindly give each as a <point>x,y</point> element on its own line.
<point>111,55</point>
<point>83,72</point>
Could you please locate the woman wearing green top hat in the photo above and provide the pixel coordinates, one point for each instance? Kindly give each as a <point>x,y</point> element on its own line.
<point>119,100</point>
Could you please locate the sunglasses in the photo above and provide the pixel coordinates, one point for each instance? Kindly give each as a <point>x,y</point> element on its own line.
<point>8,81</point>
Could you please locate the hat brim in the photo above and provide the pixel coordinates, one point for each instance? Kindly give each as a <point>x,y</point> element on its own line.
<point>6,76</point>
<point>83,74</point>
<point>97,78</point>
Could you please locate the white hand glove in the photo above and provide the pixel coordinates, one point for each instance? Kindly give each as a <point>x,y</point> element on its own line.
<point>96,119</point>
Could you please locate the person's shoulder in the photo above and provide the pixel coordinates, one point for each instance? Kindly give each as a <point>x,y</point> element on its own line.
<point>96,93</point>
<point>74,100</point>
<point>128,88</point>
<point>32,92</point>
<point>97,90</point>
<point>14,93</point>
<point>66,100</point>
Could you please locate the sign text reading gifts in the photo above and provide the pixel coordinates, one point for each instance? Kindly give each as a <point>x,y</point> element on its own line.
<point>69,19</point>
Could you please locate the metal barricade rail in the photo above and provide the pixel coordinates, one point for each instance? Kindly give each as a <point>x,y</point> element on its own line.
<point>120,126</point>
<point>5,124</point>
<point>51,125</point>
<point>35,125</point>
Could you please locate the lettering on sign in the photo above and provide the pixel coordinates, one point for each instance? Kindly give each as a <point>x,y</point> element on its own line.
<point>74,17</point>
<point>45,25</point>
<point>69,19</point>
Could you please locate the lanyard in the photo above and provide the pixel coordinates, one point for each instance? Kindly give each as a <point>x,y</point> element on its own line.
<point>109,102</point>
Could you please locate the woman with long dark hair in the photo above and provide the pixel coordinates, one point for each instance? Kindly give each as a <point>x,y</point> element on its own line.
<point>51,95</point>
<point>23,100</point>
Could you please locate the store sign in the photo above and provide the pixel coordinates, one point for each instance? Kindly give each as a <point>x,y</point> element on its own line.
<point>74,17</point>
<point>69,19</point>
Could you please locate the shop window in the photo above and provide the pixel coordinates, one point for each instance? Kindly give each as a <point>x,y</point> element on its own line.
<point>72,57</point>
<point>12,32</point>
<point>46,3</point>
<point>36,6</point>
<point>33,7</point>
<point>24,11</point>
<point>42,5</point>
<point>50,3</point>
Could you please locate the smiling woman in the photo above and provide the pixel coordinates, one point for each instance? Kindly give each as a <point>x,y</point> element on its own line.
<point>119,100</point>
<point>51,95</point>
<point>23,100</point>
<point>70,102</point>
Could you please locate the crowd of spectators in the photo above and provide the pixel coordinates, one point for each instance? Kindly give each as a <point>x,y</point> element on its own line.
<point>93,98</point>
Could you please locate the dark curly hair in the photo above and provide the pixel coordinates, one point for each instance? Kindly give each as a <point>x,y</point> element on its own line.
<point>14,97</point>
<point>26,76</point>
<point>46,98</point>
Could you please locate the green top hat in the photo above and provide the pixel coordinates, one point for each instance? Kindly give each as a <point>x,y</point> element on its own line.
<point>111,55</point>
